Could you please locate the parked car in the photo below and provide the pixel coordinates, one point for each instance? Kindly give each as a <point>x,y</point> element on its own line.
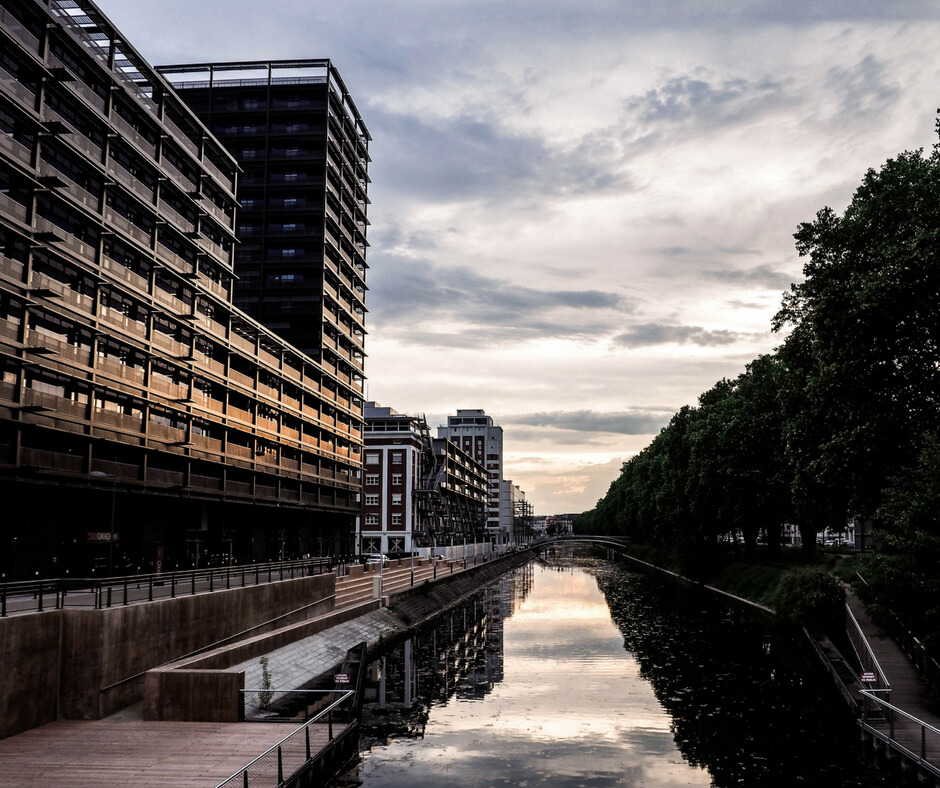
<point>377,558</point>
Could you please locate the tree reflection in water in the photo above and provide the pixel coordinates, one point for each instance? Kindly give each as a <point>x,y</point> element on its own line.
<point>747,700</point>
<point>584,673</point>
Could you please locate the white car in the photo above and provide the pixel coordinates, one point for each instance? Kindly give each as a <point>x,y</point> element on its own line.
<point>377,558</point>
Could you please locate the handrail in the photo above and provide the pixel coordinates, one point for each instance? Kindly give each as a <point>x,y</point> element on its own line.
<point>892,711</point>
<point>241,776</point>
<point>218,643</point>
<point>858,639</point>
<point>52,593</point>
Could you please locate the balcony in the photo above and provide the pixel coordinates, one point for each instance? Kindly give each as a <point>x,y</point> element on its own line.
<point>16,150</point>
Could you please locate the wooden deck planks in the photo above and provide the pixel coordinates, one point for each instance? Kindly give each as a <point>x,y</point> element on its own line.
<point>109,754</point>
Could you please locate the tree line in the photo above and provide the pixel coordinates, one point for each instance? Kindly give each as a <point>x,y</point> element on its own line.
<point>840,422</point>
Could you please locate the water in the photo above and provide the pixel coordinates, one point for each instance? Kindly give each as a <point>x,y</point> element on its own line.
<point>597,676</point>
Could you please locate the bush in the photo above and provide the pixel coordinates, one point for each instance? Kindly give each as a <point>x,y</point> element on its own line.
<point>814,599</point>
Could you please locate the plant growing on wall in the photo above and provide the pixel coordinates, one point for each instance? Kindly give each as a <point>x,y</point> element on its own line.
<point>264,697</point>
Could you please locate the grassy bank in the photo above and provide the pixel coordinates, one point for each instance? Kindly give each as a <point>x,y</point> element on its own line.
<point>758,577</point>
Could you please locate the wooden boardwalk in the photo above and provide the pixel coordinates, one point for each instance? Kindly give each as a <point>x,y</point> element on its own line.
<point>121,753</point>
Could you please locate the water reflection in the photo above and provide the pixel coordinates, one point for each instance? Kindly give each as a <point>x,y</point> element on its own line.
<point>570,676</point>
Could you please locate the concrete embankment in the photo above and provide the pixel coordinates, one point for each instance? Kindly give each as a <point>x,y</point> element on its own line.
<point>297,663</point>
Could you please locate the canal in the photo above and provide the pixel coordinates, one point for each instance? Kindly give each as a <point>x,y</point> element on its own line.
<point>579,672</point>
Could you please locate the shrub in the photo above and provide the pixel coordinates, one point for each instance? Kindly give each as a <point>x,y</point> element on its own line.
<point>811,598</point>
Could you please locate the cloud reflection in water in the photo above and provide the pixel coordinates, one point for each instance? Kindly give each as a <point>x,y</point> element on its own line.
<point>572,709</point>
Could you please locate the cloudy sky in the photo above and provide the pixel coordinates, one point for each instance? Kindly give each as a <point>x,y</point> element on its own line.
<point>582,212</point>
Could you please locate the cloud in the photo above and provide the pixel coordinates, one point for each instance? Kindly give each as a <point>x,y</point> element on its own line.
<point>632,422</point>
<point>475,158</point>
<point>456,306</point>
<point>648,334</point>
<point>759,276</point>
<point>865,89</point>
<point>689,98</point>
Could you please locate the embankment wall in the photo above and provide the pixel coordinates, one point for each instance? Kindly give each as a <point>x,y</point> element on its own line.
<point>87,664</point>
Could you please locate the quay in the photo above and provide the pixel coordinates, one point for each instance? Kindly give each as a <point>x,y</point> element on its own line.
<point>184,726</point>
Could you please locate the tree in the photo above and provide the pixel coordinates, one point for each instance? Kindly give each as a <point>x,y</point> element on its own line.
<point>862,358</point>
<point>902,573</point>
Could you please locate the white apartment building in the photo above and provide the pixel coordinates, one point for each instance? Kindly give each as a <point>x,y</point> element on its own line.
<point>480,437</point>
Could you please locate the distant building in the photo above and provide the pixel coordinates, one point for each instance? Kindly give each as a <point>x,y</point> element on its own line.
<point>480,437</point>
<point>418,492</point>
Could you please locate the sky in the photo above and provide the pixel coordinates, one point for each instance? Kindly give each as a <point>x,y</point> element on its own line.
<point>583,212</point>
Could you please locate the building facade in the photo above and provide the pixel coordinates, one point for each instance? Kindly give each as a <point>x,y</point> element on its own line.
<point>303,196</point>
<point>418,492</point>
<point>479,436</point>
<point>140,408</point>
<point>517,511</point>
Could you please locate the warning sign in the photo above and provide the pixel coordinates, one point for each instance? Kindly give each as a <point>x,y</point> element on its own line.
<point>341,678</point>
<point>869,677</point>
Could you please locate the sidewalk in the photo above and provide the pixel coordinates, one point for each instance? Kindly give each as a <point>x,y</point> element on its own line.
<point>907,691</point>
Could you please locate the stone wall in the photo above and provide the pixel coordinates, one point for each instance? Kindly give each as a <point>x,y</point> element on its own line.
<point>87,664</point>
<point>29,671</point>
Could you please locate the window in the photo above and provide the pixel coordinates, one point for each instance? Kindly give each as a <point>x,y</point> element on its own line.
<point>372,479</point>
<point>372,519</point>
<point>372,458</point>
<point>397,457</point>
<point>396,478</point>
<point>396,498</point>
<point>372,500</point>
<point>396,519</point>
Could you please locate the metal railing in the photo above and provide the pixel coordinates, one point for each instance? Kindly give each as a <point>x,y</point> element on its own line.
<point>916,739</point>
<point>278,764</point>
<point>284,705</point>
<point>37,596</point>
<point>866,657</point>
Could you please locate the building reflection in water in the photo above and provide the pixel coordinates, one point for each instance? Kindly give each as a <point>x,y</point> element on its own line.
<point>458,655</point>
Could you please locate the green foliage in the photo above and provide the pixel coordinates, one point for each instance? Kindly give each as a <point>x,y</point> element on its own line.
<point>837,423</point>
<point>811,598</point>
<point>265,696</point>
<point>902,574</point>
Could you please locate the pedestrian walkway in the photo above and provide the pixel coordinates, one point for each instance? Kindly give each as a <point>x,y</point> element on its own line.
<point>918,739</point>
<point>907,690</point>
<point>113,753</point>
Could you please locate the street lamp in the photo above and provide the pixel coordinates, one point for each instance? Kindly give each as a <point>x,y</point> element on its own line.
<point>103,475</point>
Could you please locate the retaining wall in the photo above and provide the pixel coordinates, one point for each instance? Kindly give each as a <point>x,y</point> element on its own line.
<point>87,664</point>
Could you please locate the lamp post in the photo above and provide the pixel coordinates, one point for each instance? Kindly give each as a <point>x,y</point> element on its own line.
<point>103,475</point>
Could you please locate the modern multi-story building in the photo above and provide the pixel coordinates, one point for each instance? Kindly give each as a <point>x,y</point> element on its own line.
<point>517,511</point>
<point>145,420</point>
<point>303,196</point>
<point>418,491</point>
<point>480,437</point>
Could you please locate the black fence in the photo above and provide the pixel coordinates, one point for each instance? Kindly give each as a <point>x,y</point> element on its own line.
<point>36,596</point>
